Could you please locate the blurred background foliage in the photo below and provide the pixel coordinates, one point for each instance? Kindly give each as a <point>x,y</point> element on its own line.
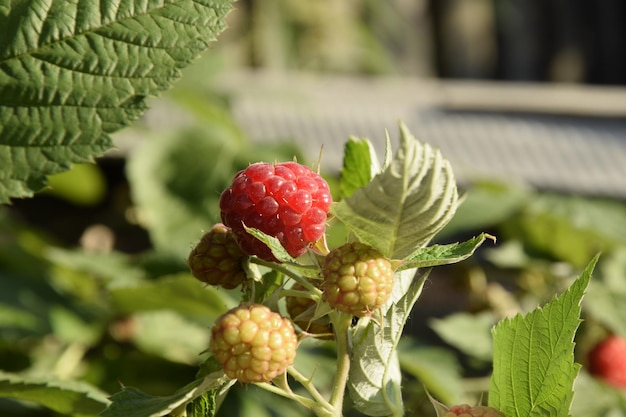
<point>93,281</point>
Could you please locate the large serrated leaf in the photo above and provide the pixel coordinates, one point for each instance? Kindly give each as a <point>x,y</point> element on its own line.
<point>133,402</point>
<point>71,73</point>
<point>406,204</point>
<point>375,378</point>
<point>67,397</point>
<point>533,364</point>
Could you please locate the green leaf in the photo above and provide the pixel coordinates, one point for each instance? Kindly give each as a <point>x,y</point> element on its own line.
<point>359,165</point>
<point>274,244</point>
<point>167,334</point>
<point>569,228</point>
<point>133,402</point>
<point>270,282</point>
<point>83,185</point>
<point>606,298</point>
<point>444,254</point>
<point>374,383</point>
<point>203,406</point>
<point>71,73</point>
<point>533,368</point>
<point>486,204</point>
<point>67,397</point>
<point>115,268</point>
<point>176,179</point>
<point>468,332</point>
<point>181,293</point>
<point>594,398</point>
<point>436,368</point>
<point>406,204</point>
<point>281,254</point>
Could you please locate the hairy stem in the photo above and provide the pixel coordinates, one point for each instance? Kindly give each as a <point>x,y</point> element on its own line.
<point>307,383</point>
<point>321,410</point>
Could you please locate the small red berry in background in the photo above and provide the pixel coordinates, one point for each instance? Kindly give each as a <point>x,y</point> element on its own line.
<point>465,410</point>
<point>607,361</point>
<point>286,200</point>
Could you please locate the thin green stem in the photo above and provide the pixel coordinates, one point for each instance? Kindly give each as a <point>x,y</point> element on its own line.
<point>307,383</point>
<point>341,324</point>
<point>286,271</point>
<point>307,402</point>
<point>298,294</point>
<point>321,410</point>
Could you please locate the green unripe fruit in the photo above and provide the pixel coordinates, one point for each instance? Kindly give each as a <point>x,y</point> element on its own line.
<point>357,279</point>
<point>217,258</point>
<point>253,343</point>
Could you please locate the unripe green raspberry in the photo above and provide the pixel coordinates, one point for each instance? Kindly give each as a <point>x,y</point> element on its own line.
<point>217,258</point>
<point>357,279</point>
<point>465,410</point>
<point>301,311</point>
<point>253,343</point>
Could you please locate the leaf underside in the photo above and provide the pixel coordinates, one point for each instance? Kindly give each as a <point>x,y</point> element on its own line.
<point>73,72</point>
<point>375,378</point>
<point>406,204</point>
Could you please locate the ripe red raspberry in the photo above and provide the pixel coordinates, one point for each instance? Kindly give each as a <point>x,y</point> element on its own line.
<point>607,361</point>
<point>465,410</point>
<point>301,311</point>
<point>253,344</point>
<point>357,279</point>
<point>217,258</point>
<point>286,200</point>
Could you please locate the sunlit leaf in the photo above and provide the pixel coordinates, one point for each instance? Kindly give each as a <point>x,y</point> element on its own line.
<point>533,363</point>
<point>406,204</point>
<point>360,164</point>
<point>375,377</point>
<point>444,254</point>
<point>71,73</point>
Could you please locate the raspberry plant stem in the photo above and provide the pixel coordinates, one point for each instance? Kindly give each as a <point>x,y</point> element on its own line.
<point>287,272</point>
<point>341,324</point>
<point>307,383</point>
<point>320,408</point>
